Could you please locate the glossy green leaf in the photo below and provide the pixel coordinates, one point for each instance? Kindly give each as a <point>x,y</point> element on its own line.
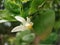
<point>44,22</point>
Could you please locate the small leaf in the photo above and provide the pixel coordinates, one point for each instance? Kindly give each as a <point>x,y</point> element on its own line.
<point>29,37</point>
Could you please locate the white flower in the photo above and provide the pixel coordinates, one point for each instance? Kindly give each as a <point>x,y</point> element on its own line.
<point>26,24</point>
<point>2,21</point>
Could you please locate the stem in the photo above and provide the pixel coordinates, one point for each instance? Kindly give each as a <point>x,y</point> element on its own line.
<point>37,40</point>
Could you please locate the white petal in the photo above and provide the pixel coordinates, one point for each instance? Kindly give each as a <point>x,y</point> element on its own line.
<point>28,19</point>
<point>2,21</point>
<point>31,23</point>
<point>21,19</point>
<point>18,28</point>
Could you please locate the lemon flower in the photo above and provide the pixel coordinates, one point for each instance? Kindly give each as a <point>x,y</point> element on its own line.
<point>25,24</point>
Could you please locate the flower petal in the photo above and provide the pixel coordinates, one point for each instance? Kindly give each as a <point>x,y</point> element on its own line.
<point>2,21</point>
<point>28,19</point>
<point>21,19</point>
<point>18,28</point>
<point>31,23</point>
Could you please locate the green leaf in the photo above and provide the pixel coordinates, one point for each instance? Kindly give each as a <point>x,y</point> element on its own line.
<point>29,37</point>
<point>13,6</point>
<point>34,5</point>
<point>57,24</point>
<point>20,35</point>
<point>1,13</point>
<point>23,33</point>
<point>6,15</point>
<point>44,22</point>
<point>18,38</point>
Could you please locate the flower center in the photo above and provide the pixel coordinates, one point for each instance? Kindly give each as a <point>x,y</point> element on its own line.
<point>29,26</point>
